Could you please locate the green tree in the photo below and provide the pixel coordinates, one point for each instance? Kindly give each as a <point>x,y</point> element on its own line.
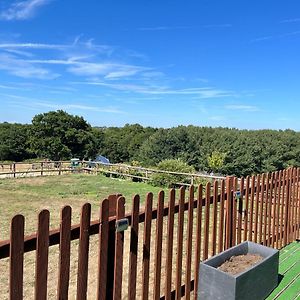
<point>14,142</point>
<point>58,135</point>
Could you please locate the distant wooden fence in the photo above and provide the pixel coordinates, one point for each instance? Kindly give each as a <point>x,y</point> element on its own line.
<point>42,168</point>
<point>169,237</point>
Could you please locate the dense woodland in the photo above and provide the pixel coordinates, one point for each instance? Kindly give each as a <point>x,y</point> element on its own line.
<point>58,135</point>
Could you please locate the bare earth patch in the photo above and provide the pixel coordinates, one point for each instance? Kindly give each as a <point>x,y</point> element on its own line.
<point>240,263</point>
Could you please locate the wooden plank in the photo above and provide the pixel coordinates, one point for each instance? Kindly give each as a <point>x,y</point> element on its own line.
<point>240,212</point>
<point>16,259</point>
<point>298,205</point>
<point>283,202</point>
<point>169,251</point>
<point>198,238</point>
<point>64,253</point>
<point>261,206</point>
<point>158,245</point>
<point>221,222</point>
<point>134,235</point>
<point>206,221</point>
<point>119,247</point>
<point>234,211</point>
<point>41,266</point>
<point>275,205</point>
<point>265,210</point>
<point>277,226</point>
<point>270,211</point>
<point>103,249</point>
<point>246,213</point>
<point>293,214</point>
<point>215,217</point>
<point>83,252</point>
<point>189,245</point>
<point>228,228</point>
<point>146,246</point>
<point>179,244</point>
<point>252,207</point>
<point>257,202</point>
<point>286,208</point>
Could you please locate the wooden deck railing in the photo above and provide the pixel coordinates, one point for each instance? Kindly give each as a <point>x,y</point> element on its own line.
<point>167,238</point>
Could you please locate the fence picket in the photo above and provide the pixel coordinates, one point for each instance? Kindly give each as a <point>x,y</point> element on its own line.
<point>265,210</point>
<point>146,246</point>
<point>270,215</point>
<point>261,208</point>
<point>16,258</point>
<point>274,212</point>
<point>64,253</point>
<point>252,206</point>
<point>134,234</point>
<point>169,252</point>
<point>215,217</point>
<point>246,211</point>
<point>42,247</point>
<point>83,252</point>
<point>240,212</point>
<point>234,212</point>
<point>158,245</point>
<point>206,221</point>
<point>228,223</point>
<point>221,221</point>
<point>179,244</point>
<point>257,202</point>
<point>103,249</point>
<point>119,245</point>
<point>297,205</point>
<point>198,238</point>
<point>189,241</point>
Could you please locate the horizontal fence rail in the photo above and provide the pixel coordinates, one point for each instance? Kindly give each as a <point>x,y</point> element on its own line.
<point>167,238</point>
<point>42,168</point>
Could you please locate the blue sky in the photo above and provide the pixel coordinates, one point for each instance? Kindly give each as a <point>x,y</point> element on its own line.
<point>157,63</point>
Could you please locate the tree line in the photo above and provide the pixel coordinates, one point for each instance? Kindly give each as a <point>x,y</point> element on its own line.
<point>57,135</point>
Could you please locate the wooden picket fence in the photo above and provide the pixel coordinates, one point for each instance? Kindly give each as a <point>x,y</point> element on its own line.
<point>158,256</point>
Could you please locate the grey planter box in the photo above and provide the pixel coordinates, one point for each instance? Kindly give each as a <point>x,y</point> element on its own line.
<point>254,283</point>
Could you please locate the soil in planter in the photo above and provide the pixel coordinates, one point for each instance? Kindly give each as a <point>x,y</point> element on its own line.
<point>240,263</point>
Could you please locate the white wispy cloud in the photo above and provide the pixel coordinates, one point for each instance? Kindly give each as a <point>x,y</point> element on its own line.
<point>22,10</point>
<point>292,20</point>
<point>77,47</point>
<point>203,92</point>
<point>248,108</point>
<point>71,106</point>
<point>279,36</point>
<point>84,68</point>
<point>24,69</point>
<point>227,25</point>
<point>262,38</point>
<point>33,46</point>
<point>166,28</point>
<point>22,101</point>
<point>163,28</point>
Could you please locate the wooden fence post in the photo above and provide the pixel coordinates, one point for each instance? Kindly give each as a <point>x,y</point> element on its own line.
<point>229,212</point>
<point>112,204</point>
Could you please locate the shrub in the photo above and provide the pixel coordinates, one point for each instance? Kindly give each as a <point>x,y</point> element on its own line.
<point>171,180</point>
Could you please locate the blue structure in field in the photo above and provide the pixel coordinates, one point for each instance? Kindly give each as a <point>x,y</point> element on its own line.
<point>101,159</point>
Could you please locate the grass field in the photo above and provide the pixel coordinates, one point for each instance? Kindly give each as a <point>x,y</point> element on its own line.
<point>27,196</point>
